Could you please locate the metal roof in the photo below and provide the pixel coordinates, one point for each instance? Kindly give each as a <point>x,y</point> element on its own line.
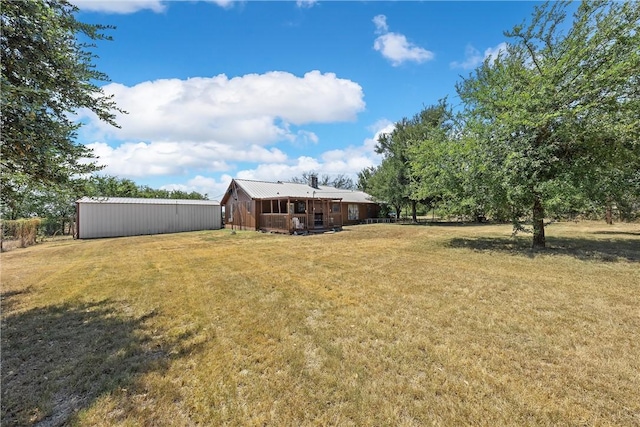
<point>141,201</point>
<point>274,190</point>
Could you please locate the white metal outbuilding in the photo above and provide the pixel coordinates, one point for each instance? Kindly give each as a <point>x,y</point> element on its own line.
<point>122,216</point>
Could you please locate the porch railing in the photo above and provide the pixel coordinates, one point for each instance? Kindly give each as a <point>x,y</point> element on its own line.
<point>283,222</point>
<point>297,222</point>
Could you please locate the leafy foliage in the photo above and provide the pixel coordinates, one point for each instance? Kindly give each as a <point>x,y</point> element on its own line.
<point>111,186</point>
<point>383,184</point>
<point>47,74</point>
<point>418,161</point>
<point>396,169</point>
<point>560,107</point>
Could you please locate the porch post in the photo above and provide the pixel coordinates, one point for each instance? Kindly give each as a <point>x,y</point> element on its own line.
<point>327,214</point>
<point>289,214</point>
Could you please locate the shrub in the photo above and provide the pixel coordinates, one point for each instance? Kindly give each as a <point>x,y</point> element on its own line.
<point>25,230</point>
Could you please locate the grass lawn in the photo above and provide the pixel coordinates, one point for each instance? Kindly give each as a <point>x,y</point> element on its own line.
<point>376,325</point>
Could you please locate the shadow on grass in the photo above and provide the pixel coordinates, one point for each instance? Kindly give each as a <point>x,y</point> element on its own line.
<point>613,233</point>
<point>447,223</point>
<point>58,360</point>
<point>612,250</point>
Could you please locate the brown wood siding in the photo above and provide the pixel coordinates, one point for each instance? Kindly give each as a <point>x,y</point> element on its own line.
<point>240,214</point>
<point>365,210</point>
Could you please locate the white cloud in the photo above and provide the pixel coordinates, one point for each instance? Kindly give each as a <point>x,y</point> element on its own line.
<point>213,188</point>
<point>176,158</point>
<point>348,161</point>
<point>111,6</point>
<point>223,3</point>
<point>241,111</point>
<point>474,58</point>
<point>281,171</point>
<point>208,125</point>
<point>132,6</point>
<point>395,47</point>
<point>306,3</point>
<point>306,137</point>
<point>381,24</point>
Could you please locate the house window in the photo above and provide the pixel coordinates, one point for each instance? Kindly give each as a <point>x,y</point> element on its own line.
<point>354,214</point>
<point>335,208</point>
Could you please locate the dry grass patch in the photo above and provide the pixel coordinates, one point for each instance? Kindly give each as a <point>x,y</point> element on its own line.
<point>376,325</point>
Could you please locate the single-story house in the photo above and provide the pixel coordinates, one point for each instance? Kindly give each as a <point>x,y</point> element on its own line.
<point>289,207</point>
<point>98,217</point>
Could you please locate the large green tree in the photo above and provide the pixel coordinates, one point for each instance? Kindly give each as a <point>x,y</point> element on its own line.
<point>561,106</point>
<point>438,161</point>
<point>398,180</point>
<point>395,168</point>
<point>383,184</point>
<point>47,74</point>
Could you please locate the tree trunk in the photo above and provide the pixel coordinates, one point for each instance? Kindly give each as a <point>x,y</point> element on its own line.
<point>414,214</point>
<point>539,241</point>
<point>398,212</point>
<point>609,212</point>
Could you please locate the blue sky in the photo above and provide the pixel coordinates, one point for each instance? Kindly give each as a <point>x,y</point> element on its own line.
<point>268,90</point>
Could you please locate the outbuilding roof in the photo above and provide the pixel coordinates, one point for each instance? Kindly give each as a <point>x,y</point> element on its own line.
<point>275,190</point>
<point>142,201</point>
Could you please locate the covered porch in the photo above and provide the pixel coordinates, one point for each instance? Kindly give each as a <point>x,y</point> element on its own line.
<point>299,215</point>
